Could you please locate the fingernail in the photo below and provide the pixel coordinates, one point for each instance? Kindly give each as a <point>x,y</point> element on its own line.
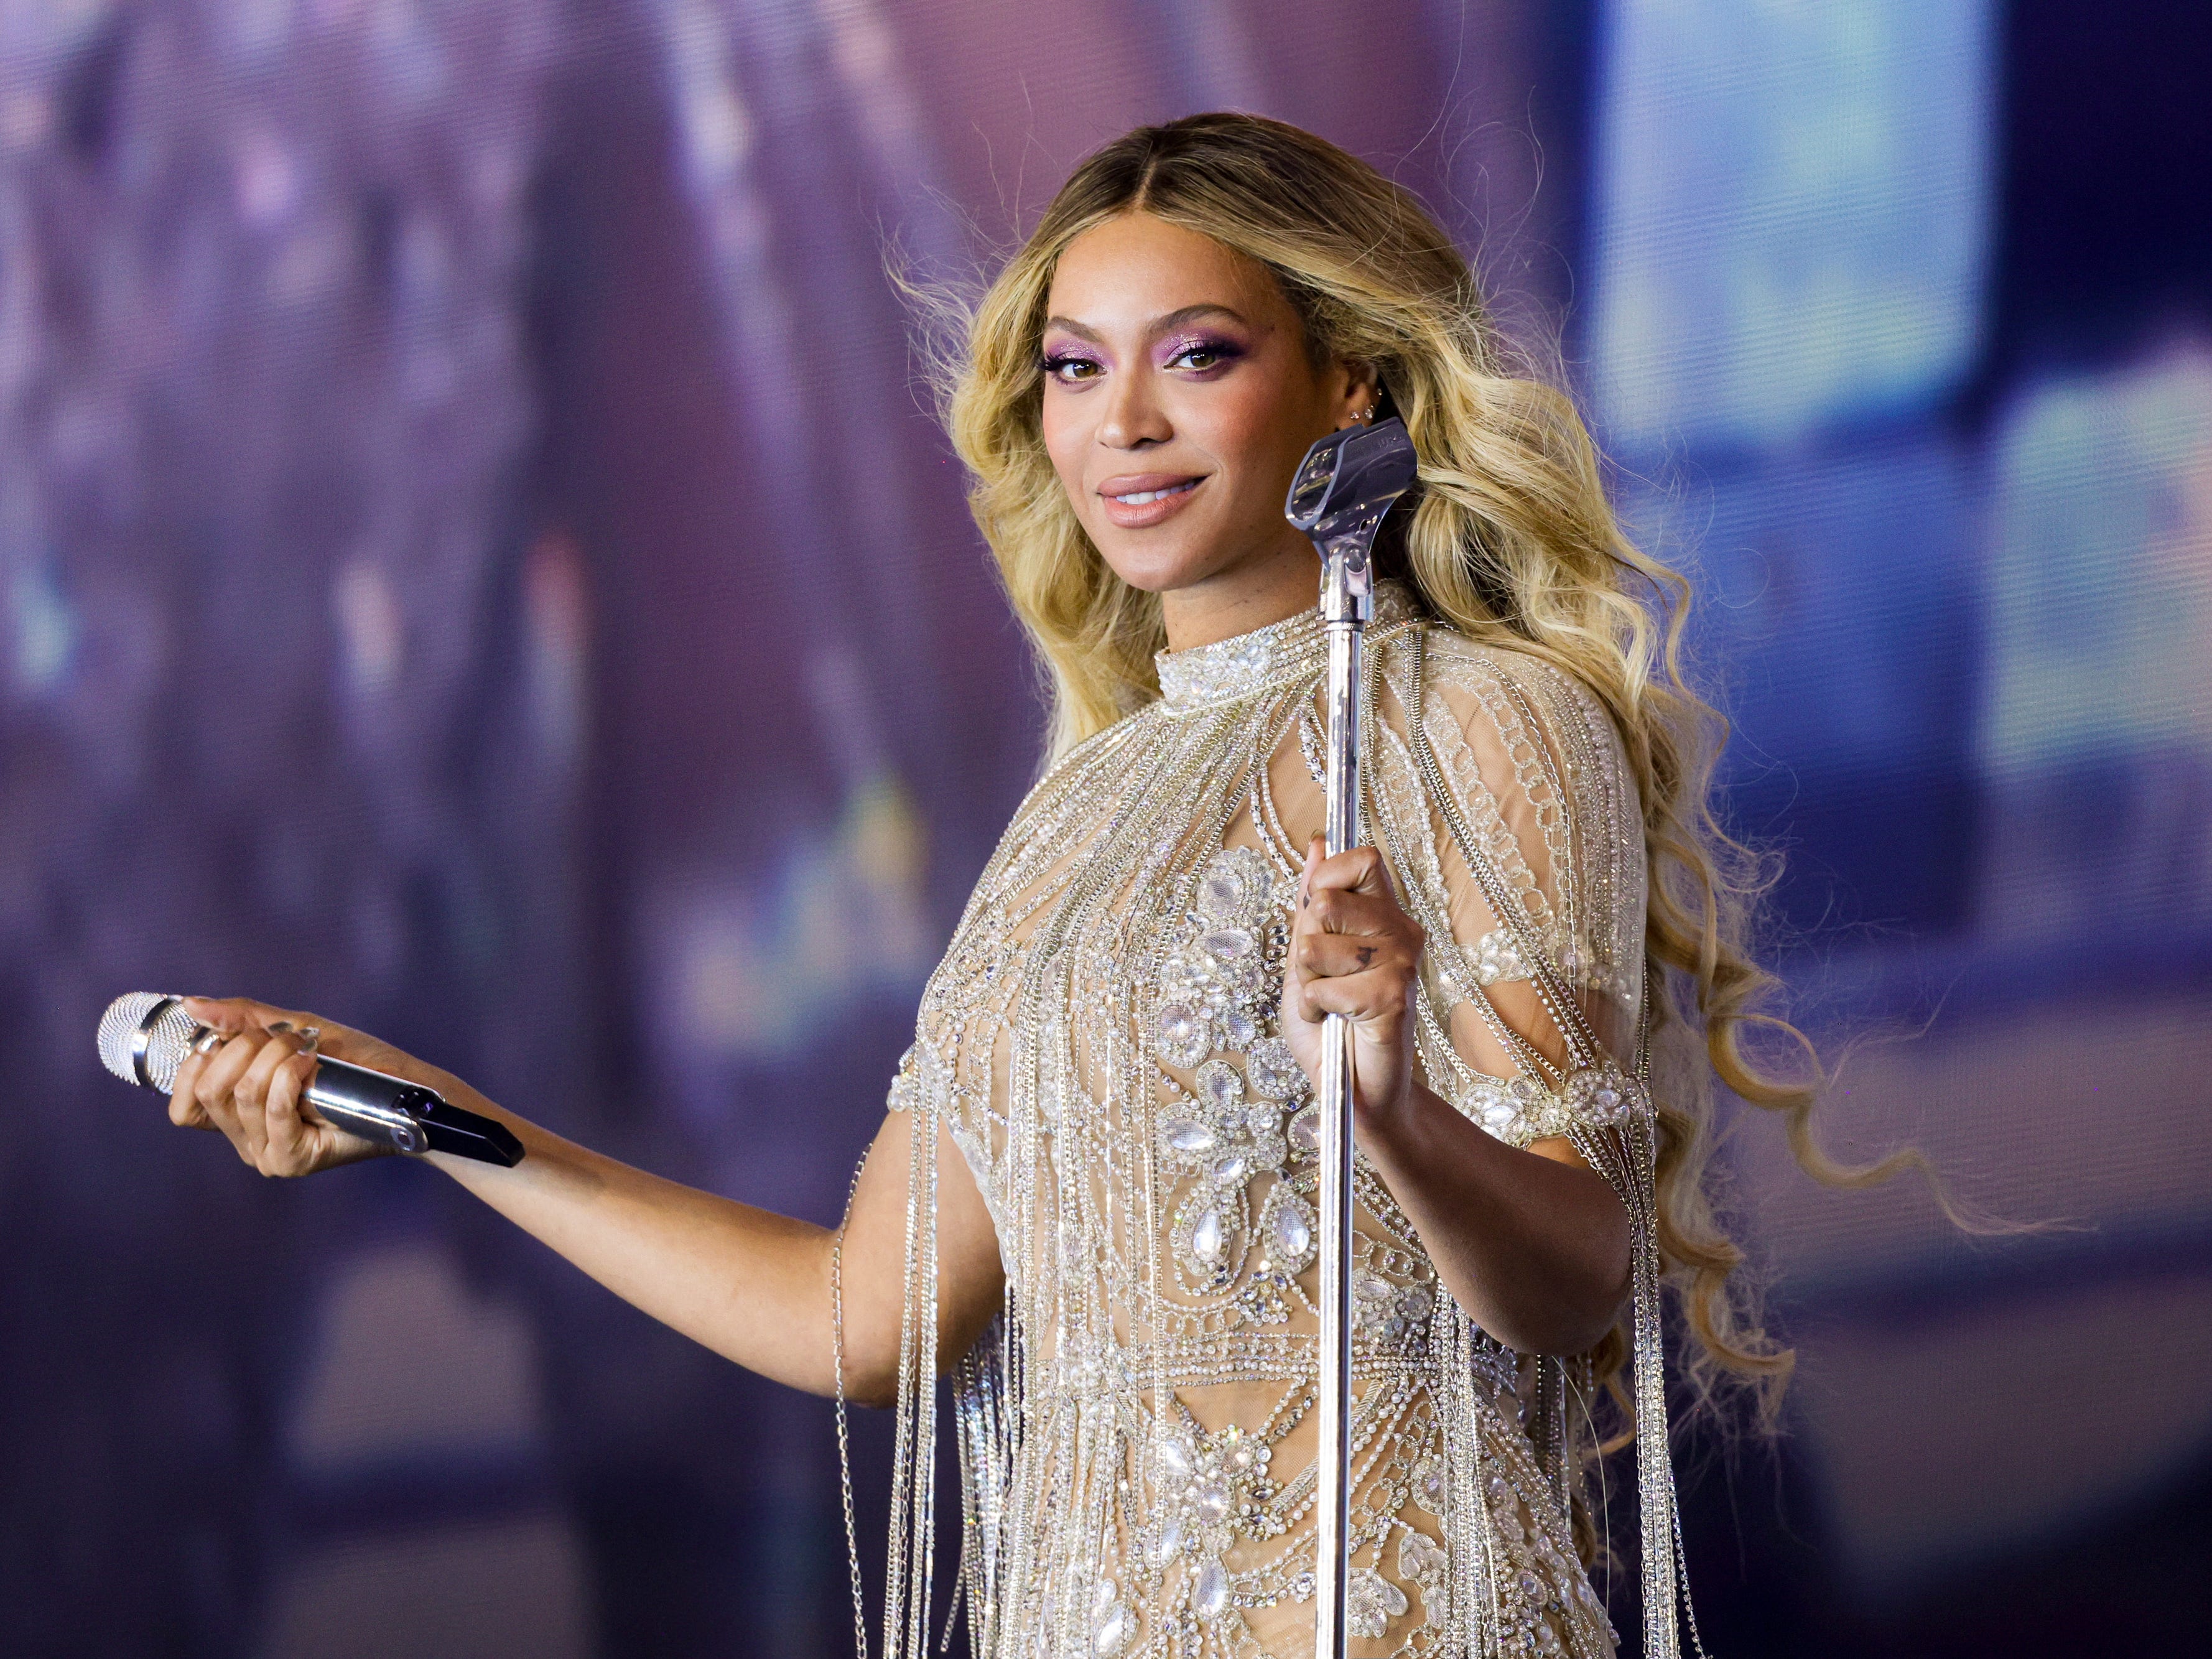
<point>310,1035</point>
<point>280,1025</point>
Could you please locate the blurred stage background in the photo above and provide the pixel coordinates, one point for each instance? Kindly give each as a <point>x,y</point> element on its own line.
<point>474,562</point>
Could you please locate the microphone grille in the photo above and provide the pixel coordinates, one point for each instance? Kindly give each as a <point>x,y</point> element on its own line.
<point>167,1039</point>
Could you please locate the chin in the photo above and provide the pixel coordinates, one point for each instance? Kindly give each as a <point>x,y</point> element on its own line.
<point>1154,568</point>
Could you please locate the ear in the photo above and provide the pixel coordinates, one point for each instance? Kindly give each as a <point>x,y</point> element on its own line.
<point>1356,391</point>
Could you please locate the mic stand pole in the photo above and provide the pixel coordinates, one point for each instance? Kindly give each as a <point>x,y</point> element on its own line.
<point>1347,590</point>
<point>1343,487</point>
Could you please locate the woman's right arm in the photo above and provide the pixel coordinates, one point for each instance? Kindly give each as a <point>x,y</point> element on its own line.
<point>750,1284</point>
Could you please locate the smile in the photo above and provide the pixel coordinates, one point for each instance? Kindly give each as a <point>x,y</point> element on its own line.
<point>1138,500</point>
<point>1145,496</point>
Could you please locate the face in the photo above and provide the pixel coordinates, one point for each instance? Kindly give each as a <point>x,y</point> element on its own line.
<point>1179,397</point>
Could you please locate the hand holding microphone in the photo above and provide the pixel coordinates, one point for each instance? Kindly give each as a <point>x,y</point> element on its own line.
<point>292,1094</point>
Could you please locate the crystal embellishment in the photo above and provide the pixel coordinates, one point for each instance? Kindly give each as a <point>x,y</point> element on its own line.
<point>1429,1490</point>
<point>1209,1595</point>
<point>1421,1557</point>
<point>1171,1539</point>
<point>1370,1602</point>
<point>1289,1229</point>
<point>1221,890</point>
<point>1191,1138</point>
<point>1209,1240</point>
<point>1218,986</point>
<point>1175,1459</point>
<point>1219,1085</point>
<point>1272,1071</point>
<point>1239,667</point>
<point>1183,1037</point>
<point>1227,944</point>
<point>1603,1095</point>
<point>1112,1623</point>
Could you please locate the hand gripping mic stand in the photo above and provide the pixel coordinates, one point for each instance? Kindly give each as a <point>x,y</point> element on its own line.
<point>1347,483</point>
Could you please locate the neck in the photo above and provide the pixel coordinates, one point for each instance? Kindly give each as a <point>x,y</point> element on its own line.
<point>1252,594</point>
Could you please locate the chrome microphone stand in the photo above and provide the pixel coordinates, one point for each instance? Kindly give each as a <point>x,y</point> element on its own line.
<point>1345,485</point>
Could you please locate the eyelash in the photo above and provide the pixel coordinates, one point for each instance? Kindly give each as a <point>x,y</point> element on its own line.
<point>1220,350</point>
<point>1056,364</point>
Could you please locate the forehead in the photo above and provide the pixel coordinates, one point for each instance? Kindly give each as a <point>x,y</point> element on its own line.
<point>1133,268</point>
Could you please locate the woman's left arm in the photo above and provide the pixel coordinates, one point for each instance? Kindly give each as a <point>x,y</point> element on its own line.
<point>1535,1244</point>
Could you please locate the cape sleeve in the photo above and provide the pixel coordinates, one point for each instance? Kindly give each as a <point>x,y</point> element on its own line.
<point>1517,763</point>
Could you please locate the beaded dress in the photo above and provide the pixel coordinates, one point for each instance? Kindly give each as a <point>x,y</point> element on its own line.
<point>1100,1041</point>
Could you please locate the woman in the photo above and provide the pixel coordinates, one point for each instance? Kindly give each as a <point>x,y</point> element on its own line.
<point>1093,1197</point>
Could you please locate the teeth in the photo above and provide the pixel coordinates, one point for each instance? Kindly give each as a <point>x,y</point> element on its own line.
<point>1144,495</point>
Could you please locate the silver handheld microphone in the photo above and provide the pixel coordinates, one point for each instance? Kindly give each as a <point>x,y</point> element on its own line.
<point>145,1037</point>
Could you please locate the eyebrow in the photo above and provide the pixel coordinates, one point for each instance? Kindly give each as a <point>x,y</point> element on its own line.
<point>1173,319</point>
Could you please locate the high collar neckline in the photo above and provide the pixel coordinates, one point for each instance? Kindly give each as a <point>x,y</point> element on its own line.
<point>1244,665</point>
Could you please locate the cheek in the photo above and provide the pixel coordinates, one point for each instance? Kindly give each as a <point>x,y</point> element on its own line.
<point>1248,423</point>
<point>1066,440</point>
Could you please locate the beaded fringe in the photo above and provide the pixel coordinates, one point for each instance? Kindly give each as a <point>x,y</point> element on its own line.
<point>912,1549</point>
<point>1625,1155</point>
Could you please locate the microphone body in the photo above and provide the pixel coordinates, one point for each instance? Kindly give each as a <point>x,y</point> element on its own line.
<point>145,1037</point>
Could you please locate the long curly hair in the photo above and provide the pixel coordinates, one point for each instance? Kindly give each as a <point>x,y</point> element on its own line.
<point>1513,541</point>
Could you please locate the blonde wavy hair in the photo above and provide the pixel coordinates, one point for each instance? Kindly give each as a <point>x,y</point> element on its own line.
<point>1513,541</point>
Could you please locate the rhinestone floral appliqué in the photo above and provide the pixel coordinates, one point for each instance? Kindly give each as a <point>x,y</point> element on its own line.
<point>1218,991</point>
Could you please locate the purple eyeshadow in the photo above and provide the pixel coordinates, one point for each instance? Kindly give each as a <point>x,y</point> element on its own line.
<point>1218,345</point>
<point>1053,361</point>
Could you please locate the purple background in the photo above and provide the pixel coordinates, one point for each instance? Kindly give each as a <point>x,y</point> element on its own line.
<point>476,561</point>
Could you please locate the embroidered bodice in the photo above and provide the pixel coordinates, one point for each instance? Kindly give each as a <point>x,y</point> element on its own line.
<point>1101,1041</point>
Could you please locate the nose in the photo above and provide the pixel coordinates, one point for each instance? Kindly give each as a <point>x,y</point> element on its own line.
<point>1133,417</point>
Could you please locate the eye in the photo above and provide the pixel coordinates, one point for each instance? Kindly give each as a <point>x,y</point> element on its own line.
<point>1071,371</point>
<point>1201,354</point>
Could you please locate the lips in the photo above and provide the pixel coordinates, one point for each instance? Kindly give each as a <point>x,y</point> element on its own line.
<point>1135,500</point>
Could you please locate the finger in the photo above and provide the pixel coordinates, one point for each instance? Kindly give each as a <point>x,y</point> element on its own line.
<point>1314,845</point>
<point>252,1089</point>
<point>1357,869</point>
<point>229,1015</point>
<point>185,1109</point>
<point>225,1065</point>
<point>238,1014</point>
<point>1337,956</point>
<point>1379,993</point>
<point>213,1087</point>
<point>285,1151</point>
<point>1336,911</point>
<point>232,1015</point>
<point>252,1093</point>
